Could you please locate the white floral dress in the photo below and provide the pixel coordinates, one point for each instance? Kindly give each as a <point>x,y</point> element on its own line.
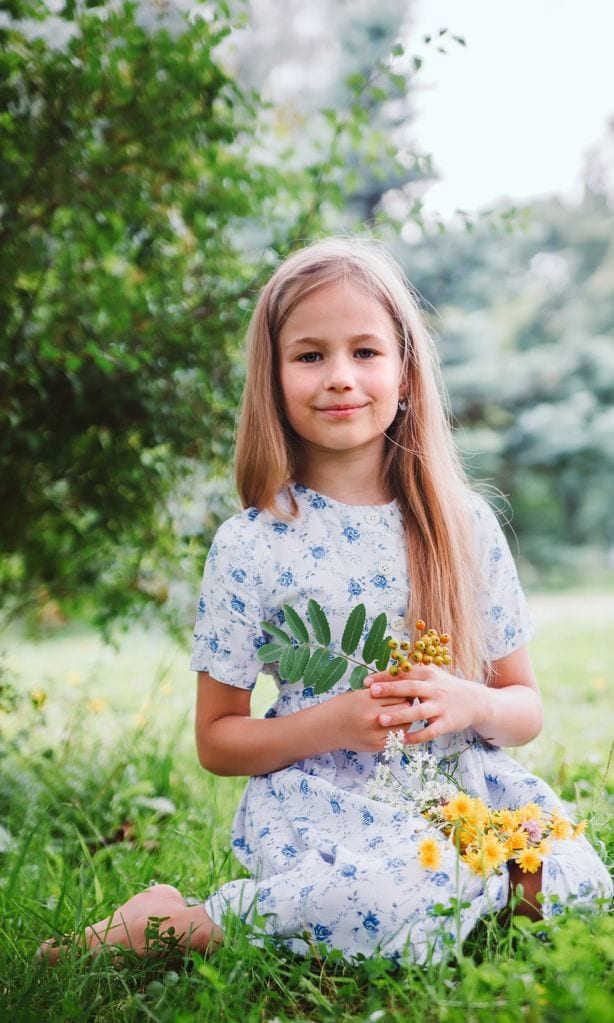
<point>327,862</point>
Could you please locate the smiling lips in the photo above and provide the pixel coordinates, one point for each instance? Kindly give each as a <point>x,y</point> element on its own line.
<point>340,411</point>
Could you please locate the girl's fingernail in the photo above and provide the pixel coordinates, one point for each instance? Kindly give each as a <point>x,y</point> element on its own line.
<point>385,719</point>
<point>375,688</point>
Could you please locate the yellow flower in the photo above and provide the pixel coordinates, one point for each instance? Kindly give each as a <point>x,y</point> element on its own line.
<point>96,705</point>
<point>429,855</point>
<point>543,848</point>
<point>517,841</point>
<point>507,820</point>
<point>579,829</point>
<point>461,805</point>
<point>493,852</point>
<point>560,828</point>
<point>474,859</point>
<point>529,861</point>
<point>530,812</point>
<point>39,698</point>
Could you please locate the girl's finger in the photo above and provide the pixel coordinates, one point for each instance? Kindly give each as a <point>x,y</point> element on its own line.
<point>405,714</point>
<point>432,731</point>
<point>406,688</point>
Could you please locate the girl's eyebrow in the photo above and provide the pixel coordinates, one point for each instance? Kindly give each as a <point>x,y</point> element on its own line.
<point>360,338</point>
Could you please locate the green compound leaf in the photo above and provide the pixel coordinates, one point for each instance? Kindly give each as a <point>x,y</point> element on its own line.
<point>331,674</point>
<point>382,657</point>
<point>353,629</point>
<point>319,622</point>
<point>270,652</point>
<point>274,630</point>
<point>296,623</point>
<point>376,634</point>
<point>358,676</point>
<point>301,656</point>
<point>316,665</point>
<point>286,662</point>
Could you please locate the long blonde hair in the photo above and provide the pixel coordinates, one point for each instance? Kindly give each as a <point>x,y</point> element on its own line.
<point>422,469</point>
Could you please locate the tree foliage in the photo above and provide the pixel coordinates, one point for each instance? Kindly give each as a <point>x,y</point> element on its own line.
<point>140,208</point>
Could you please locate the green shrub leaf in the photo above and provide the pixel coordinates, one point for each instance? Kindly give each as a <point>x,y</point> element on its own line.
<point>316,665</point>
<point>296,623</point>
<point>270,652</point>
<point>319,622</point>
<point>353,629</point>
<point>358,676</point>
<point>376,634</point>
<point>274,630</point>
<point>333,671</point>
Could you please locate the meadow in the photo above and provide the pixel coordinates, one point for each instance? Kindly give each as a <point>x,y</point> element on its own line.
<point>101,793</point>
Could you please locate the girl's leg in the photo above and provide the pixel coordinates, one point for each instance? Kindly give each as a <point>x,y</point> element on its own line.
<point>127,925</point>
<point>532,884</point>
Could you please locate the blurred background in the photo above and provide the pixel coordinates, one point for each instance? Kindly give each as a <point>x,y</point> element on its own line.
<point>156,161</point>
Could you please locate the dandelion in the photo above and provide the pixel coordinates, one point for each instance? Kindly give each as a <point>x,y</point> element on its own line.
<point>493,852</point>
<point>560,828</point>
<point>461,805</point>
<point>429,854</point>
<point>529,861</point>
<point>579,829</point>
<point>516,842</point>
<point>530,812</point>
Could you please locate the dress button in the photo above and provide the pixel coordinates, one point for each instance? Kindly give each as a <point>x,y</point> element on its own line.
<point>384,566</point>
<point>372,518</point>
<point>397,623</point>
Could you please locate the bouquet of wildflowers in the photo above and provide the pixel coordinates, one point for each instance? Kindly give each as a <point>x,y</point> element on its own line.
<point>485,839</point>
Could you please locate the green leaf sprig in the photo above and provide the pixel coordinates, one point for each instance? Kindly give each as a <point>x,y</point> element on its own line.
<point>304,653</point>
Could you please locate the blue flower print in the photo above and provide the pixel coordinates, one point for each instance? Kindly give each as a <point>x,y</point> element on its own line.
<point>380,581</point>
<point>239,575</point>
<point>440,879</point>
<point>585,888</point>
<point>263,894</point>
<point>264,832</point>
<point>321,932</point>
<point>289,850</point>
<point>202,606</point>
<point>258,642</point>
<point>309,692</point>
<point>253,513</point>
<point>271,713</point>
<point>509,633</point>
<point>318,552</point>
<point>496,613</point>
<point>354,588</point>
<point>317,501</point>
<point>348,870</point>
<point>335,806</point>
<point>371,923</point>
<point>214,644</point>
<point>304,787</point>
<point>286,578</point>
<point>496,554</point>
<point>351,534</point>
<point>367,817</point>
<point>300,488</point>
<point>280,528</point>
<point>237,605</point>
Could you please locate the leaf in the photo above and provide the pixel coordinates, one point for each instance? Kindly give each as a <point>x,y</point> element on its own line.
<point>382,657</point>
<point>301,656</point>
<point>317,662</point>
<point>333,671</point>
<point>274,630</point>
<point>374,638</point>
<point>358,676</point>
<point>296,623</point>
<point>270,652</point>
<point>286,662</point>
<point>319,622</point>
<point>353,629</point>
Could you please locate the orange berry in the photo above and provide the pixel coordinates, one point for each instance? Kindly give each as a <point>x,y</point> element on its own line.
<point>426,659</point>
<point>444,638</point>
<point>417,656</point>
<point>420,625</point>
<point>404,644</point>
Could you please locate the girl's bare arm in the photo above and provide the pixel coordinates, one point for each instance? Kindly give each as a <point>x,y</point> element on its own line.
<point>230,742</point>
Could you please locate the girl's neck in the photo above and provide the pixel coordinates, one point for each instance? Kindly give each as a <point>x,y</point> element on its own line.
<point>351,480</point>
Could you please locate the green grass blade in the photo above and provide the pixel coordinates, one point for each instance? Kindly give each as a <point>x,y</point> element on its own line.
<point>353,629</point>
<point>274,630</point>
<point>333,671</point>
<point>376,634</point>
<point>319,622</point>
<point>296,623</point>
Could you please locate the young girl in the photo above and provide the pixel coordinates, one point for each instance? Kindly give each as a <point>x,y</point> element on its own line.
<point>353,493</point>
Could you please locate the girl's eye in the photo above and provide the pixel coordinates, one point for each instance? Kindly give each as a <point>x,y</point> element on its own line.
<point>364,353</point>
<point>309,357</point>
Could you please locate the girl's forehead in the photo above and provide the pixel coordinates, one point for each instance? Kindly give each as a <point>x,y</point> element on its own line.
<point>329,297</point>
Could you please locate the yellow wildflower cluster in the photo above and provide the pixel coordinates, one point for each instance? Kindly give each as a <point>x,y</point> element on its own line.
<point>486,839</point>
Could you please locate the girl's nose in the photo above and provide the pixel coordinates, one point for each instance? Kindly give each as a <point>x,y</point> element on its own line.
<point>340,376</point>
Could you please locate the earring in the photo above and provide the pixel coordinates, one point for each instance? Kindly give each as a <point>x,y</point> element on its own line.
<point>402,404</point>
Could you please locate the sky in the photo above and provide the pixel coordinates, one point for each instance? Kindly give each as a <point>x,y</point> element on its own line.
<point>513,115</point>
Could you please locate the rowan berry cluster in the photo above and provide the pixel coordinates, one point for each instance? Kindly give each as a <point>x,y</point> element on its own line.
<point>431,647</point>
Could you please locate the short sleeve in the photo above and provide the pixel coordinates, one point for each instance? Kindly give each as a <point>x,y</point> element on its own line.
<point>227,631</point>
<point>503,604</point>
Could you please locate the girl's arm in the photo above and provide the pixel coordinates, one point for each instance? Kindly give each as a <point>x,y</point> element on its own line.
<point>230,742</point>
<point>508,712</point>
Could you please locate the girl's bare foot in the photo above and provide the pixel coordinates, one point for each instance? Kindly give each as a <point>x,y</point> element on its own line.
<point>137,923</point>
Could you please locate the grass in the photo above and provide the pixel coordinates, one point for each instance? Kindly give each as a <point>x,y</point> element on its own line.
<point>100,793</point>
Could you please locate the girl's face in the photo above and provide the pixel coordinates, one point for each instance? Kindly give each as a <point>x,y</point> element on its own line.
<point>340,370</point>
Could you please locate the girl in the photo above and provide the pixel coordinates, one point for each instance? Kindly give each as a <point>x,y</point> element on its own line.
<point>353,492</point>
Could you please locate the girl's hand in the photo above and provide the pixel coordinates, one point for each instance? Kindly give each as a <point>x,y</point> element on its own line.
<point>354,719</point>
<point>448,703</point>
